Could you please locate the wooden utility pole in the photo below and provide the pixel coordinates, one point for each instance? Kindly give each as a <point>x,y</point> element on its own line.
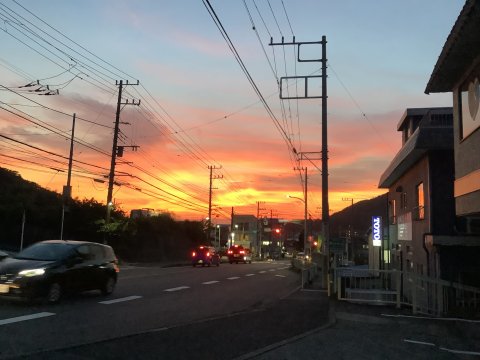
<point>67,190</point>
<point>115,148</point>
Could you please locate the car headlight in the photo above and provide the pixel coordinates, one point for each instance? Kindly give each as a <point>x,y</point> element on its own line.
<point>32,272</point>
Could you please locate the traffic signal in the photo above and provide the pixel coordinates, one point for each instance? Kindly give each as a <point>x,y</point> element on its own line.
<point>277,231</point>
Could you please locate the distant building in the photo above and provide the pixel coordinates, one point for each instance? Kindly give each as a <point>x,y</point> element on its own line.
<point>458,71</point>
<point>244,231</point>
<point>138,213</point>
<point>420,189</point>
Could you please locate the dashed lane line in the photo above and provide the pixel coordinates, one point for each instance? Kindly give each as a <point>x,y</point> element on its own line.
<point>419,342</point>
<point>282,276</point>
<point>249,274</point>
<point>25,318</point>
<point>233,278</point>
<point>262,272</point>
<point>463,352</point>
<point>271,270</point>
<point>128,298</point>
<point>177,288</point>
<point>210,282</point>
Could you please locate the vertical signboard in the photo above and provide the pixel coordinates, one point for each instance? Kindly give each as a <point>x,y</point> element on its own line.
<point>377,230</point>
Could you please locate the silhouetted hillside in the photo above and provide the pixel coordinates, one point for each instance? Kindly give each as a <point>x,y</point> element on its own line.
<point>359,217</point>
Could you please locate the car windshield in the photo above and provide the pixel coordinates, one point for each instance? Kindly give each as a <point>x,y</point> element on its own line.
<point>45,251</point>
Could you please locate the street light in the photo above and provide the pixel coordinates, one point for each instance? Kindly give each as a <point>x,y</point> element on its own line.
<point>219,238</point>
<point>304,220</point>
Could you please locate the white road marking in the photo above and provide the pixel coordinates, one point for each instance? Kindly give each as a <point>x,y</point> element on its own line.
<point>177,288</point>
<point>25,318</point>
<point>233,278</point>
<point>419,342</point>
<point>271,270</point>
<point>460,351</point>
<point>128,298</point>
<point>280,275</point>
<point>430,318</point>
<point>210,282</point>
<point>262,272</point>
<point>250,275</point>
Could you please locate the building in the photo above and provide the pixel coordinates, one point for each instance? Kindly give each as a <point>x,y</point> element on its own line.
<point>244,231</point>
<point>420,189</point>
<point>139,213</point>
<point>458,71</point>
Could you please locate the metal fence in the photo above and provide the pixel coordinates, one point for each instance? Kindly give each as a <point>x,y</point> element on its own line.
<point>423,294</point>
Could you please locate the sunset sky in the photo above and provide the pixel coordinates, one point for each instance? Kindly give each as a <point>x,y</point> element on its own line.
<point>197,107</point>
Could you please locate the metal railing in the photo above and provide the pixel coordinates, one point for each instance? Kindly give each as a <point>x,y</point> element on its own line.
<point>423,294</point>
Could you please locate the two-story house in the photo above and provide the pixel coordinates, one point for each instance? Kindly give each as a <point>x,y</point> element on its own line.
<point>420,189</point>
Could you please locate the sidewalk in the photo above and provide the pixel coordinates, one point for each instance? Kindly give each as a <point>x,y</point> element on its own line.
<point>362,331</point>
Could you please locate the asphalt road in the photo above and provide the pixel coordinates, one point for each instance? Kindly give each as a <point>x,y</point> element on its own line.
<point>177,312</point>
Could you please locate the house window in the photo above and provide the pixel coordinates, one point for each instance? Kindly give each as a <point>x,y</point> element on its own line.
<point>420,206</point>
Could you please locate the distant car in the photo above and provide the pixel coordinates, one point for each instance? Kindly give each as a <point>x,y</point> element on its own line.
<point>51,268</point>
<point>205,255</point>
<point>237,253</point>
<point>3,255</point>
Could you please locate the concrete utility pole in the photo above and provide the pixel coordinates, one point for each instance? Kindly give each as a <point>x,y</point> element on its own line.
<point>117,150</point>
<point>349,236</point>
<point>67,190</point>
<point>306,95</point>
<point>212,177</point>
<point>259,237</point>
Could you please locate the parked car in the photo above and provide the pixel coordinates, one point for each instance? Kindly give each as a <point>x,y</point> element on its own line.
<point>238,253</point>
<point>49,269</point>
<point>205,255</point>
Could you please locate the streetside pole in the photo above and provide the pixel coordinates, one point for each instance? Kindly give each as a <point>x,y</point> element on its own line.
<point>115,147</point>
<point>325,207</point>
<point>67,191</point>
<point>111,175</point>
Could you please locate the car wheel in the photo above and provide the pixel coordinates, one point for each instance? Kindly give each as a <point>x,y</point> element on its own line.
<point>54,293</point>
<point>109,286</point>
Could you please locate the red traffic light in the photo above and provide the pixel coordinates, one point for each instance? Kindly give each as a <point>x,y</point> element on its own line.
<point>277,231</point>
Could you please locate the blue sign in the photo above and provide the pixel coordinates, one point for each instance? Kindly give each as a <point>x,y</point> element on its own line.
<point>377,230</point>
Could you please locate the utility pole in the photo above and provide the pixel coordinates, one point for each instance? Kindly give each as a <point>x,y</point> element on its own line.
<point>116,150</point>
<point>306,95</point>
<point>259,235</point>
<point>67,190</point>
<point>212,177</point>
<point>348,238</point>
<point>305,203</point>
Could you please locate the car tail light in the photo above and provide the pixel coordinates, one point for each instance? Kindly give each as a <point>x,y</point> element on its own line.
<point>242,252</point>
<point>208,254</point>
<point>194,254</point>
<point>230,251</point>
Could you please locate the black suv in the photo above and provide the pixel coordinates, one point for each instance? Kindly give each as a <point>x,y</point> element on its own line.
<point>48,269</point>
